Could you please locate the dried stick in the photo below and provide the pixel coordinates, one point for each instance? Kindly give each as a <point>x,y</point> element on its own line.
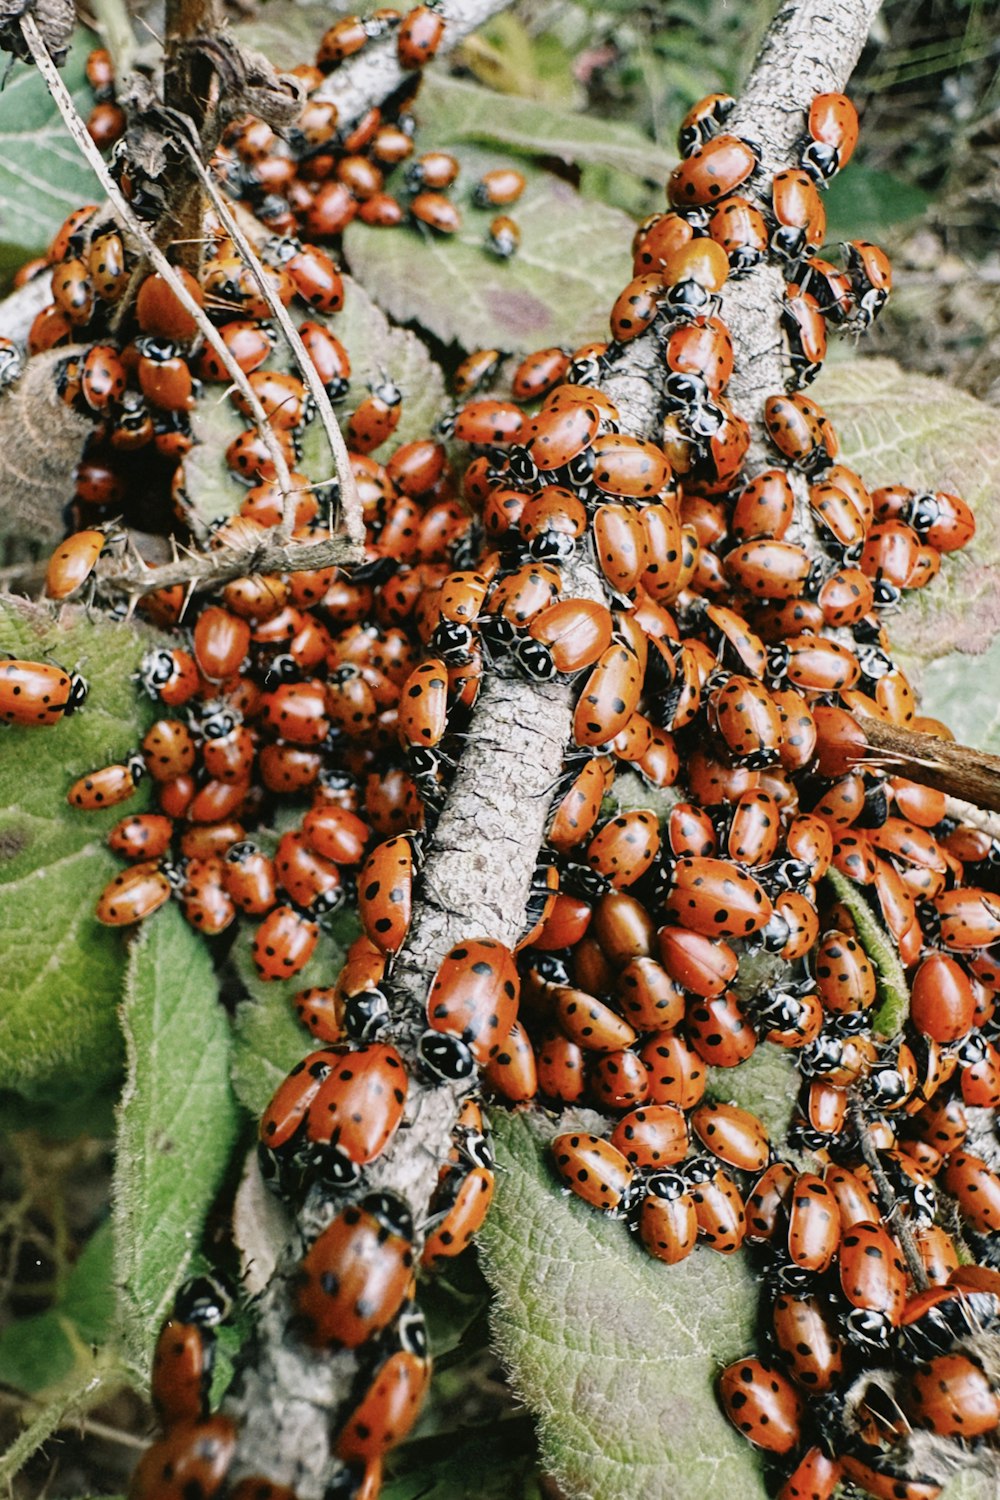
<point>134,226</point>
<point>349,498</point>
<point>888,1198</point>
<point>201,571</point>
<point>957,770</point>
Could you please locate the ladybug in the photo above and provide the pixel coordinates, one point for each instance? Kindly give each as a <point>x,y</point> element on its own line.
<point>846,597</point>
<point>73,562</point>
<point>298,711</point>
<point>969,918</point>
<point>359,1104</point>
<point>560,1067</point>
<point>437,212</point>
<point>434,169</point>
<point>764,507</point>
<point>336,833</point>
<point>813,1223</point>
<point>718,1207</point>
<point>754,829</point>
<point>445,1057</point>
<point>813,1353</point>
<point>676,1071</point>
<point>882,1481</point>
<point>35,694</point>
<point>593,1169</point>
<point>513,1072</point>
<point>805,329</point>
<point>742,714</point>
<point>655,1136</point>
<point>342,40</point>
<point>712,171</point>
<point>589,1022</point>
<point>503,238</point>
<point>832,127</point>
<point>169,750</point>
<point>312,883</point>
<point>102,377</point>
<point>872,1273</point>
<point>158,311</point>
<point>355,1275</point>
<point>703,348</point>
<point>815,1477</point>
<point>192,1460</point>
<point>762,1404</point>
<point>717,899</point>
<point>423,705</point>
<point>108,786</point>
<point>633,467</point>
<point>248,876</point>
<point>795,433</point>
<point>666,1222</point>
<point>765,1206</point>
<point>734,1135</point>
<point>953,1396</point>
<point>625,847</point>
<point>498,188</point>
<point>284,943</point>
<point>419,36</point>
<point>619,1080</point>
<point>204,901</point>
<point>976,1187</point>
<point>703,120</point>
<point>134,894</point>
<point>580,806</point>
<point>73,290</point>
<point>718,1029</point>
<point>740,229</point>
<point>609,697</point>
<point>145,836</point>
<point>539,373</point>
<point>871,279</point>
<point>694,275</point>
<point>315,276</point>
<point>637,307</point>
<point>377,418</point>
<point>387,1410</point>
<point>561,434</point>
<point>799,213</point>
<point>690,831</point>
<point>474,995</point>
<point>183,1360</point>
<point>385,893</point>
<point>466,1201</point>
<point>845,978</point>
<point>329,357</point>
<point>830,286</point>
<point>703,965</point>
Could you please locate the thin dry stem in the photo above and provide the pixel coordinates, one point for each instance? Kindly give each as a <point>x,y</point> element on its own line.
<point>201,571</point>
<point>134,226</point>
<point>350,500</point>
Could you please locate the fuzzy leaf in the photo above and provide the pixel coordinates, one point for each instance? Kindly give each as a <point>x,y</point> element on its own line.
<point>268,1037</point>
<point>572,264</point>
<point>64,974</point>
<point>213,491</point>
<point>42,174</point>
<point>453,111</point>
<point>615,1354</point>
<point>177,1120</point>
<point>766,1084</point>
<point>909,429</point>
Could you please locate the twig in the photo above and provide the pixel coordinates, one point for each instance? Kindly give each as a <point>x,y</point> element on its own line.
<point>350,500</point>
<point>888,1198</point>
<point>134,226</point>
<point>957,770</point>
<point>209,570</point>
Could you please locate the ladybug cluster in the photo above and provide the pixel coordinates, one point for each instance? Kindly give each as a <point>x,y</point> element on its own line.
<point>714,656</point>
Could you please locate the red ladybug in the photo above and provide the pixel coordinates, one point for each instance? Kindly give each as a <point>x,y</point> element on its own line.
<point>465,1200</point>
<point>803,1332</point>
<point>762,1404</point>
<point>593,1169</point>
<point>954,1397</point>
<point>832,127</point>
<point>474,995</point>
<point>134,894</point>
<point>703,120</point>
<point>356,1273</point>
<point>385,893</point>
<point>193,1459</point>
<point>377,418</point>
<point>387,1410</point>
<point>359,1104</point>
<point>676,1071</point>
<point>108,786</point>
<point>284,943</point>
<point>734,1135</point>
<point>419,36</point>
<point>712,171</point>
<point>717,899</point>
<point>872,1273</point>
<point>976,1187</point>
<point>813,1223</point>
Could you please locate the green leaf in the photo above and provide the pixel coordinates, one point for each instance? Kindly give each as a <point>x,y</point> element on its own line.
<point>766,1083</point>
<point>64,970</point>
<point>868,203</point>
<point>615,1354</point>
<point>374,347</point>
<point>177,1121</point>
<point>452,111</point>
<point>890,977</point>
<point>897,428</point>
<point>557,289</point>
<point>42,173</point>
<point>268,1037</point>
<point>44,1353</point>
